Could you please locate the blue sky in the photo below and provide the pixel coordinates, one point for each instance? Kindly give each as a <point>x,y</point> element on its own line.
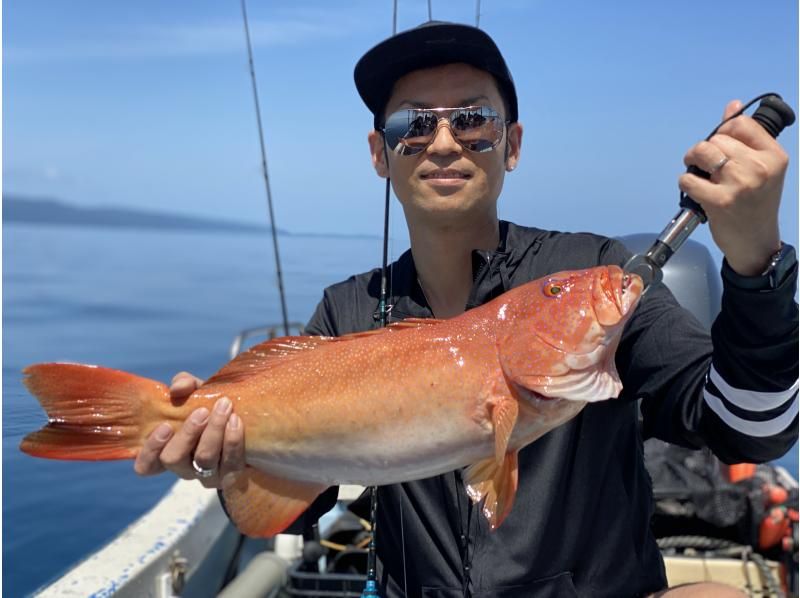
<point>148,104</point>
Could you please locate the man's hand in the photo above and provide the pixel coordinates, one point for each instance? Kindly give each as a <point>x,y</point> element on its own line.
<point>742,197</point>
<point>214,440</point>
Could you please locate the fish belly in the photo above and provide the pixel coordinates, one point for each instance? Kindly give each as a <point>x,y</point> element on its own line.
<point>340,421</point>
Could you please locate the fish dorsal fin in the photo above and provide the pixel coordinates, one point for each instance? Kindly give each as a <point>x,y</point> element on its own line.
<point>276,351</point>
<point>407,324</point>
<point>266,355</point>
<point>415,322</point>
<point>495,484</point>
<point>262,505</point>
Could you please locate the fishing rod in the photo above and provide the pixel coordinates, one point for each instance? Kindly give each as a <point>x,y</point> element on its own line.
<point>265,173</point>
<point>774,115</point>
<point>371,584</point>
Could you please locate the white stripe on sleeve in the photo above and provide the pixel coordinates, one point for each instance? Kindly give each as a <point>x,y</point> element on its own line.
<point>758,429</point>
<point>752,400</point>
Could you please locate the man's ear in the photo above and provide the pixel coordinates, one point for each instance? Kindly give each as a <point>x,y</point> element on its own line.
<point>513,145</point>
<point>377,148</point>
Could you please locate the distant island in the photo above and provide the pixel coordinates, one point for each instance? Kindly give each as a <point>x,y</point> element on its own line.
<point>51,211</point>
<point>34,210</point>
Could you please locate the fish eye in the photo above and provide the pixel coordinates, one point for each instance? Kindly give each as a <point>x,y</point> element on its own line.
<point>552,290</point>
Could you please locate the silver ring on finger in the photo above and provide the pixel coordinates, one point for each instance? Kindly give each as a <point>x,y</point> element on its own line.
<point>202,472</point>
<point>718,166</point>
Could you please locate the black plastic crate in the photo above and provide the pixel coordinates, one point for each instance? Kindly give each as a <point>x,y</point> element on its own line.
<point>324,585</point>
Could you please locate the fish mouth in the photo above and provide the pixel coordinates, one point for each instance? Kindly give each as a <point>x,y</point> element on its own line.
<point>615,294</point>
<point>629,292</point>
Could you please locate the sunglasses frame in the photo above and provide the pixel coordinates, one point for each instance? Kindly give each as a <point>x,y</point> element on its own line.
<point>447,114</point>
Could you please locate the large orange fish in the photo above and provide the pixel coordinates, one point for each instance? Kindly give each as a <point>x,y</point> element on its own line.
<point>416,399</point>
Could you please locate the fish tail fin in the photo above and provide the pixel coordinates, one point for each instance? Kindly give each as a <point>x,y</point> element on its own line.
<point>94,413</point>
<point>262,505</point>
<point>494,483</point>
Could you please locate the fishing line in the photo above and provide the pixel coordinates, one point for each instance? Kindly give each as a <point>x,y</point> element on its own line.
<point>265,173</point>
<point>403,544</point>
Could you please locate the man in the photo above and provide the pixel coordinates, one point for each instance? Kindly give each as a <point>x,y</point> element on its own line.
<point>446,131</point>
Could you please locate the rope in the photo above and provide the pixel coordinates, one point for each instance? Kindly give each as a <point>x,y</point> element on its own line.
<point>720,547</point>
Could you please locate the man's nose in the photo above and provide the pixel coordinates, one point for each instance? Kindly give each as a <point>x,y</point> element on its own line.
<point>444,142</point>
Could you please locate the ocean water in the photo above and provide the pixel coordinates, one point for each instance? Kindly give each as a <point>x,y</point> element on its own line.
<point>150,302</point>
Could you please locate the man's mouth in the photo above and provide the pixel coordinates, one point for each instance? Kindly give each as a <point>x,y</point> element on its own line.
<point>445,174</point>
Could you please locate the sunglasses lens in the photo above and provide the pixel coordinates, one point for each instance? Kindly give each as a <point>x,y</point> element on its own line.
<point>477,128</point>
<point>408,132</point>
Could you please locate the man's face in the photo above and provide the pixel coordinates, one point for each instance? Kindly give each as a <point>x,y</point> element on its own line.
<point>445,181</point>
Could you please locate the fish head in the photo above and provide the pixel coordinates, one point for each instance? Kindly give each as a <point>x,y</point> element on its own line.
<point>564,331</point>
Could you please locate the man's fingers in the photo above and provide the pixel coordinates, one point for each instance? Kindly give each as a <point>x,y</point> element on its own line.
<point>177,454</point>
<point>705,192</point>
<point>749,132</point>
<point>232,460</point>
<point>706,156</point>
<point>731,108</point>
<point>183,384</point>
<point>209,448</point>
<point>148,460</point>
<point>212,439</point>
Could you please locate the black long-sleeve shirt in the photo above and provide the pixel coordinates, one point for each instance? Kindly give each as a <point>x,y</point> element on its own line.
<point>580,521</point>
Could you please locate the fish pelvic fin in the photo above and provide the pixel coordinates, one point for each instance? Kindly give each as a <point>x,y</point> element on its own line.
<point>262,505</point>
<point>495,484</point>
<point>95,413</point>
<point>504,416</point>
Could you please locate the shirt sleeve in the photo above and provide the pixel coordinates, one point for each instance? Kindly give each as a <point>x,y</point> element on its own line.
<point>733,390</point>
<point>323,321</point>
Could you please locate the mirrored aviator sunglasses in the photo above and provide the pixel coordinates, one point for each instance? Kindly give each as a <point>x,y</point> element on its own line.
<point>410,130</point>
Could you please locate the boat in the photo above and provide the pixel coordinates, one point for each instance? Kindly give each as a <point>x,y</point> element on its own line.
<point>186,546</point>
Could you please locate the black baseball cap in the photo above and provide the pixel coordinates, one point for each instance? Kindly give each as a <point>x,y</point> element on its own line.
<point>431,44</point>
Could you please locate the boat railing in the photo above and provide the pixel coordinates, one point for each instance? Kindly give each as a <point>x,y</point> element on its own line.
<point>246,337</point>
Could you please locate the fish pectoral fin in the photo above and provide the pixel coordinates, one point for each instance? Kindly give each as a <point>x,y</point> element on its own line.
<point>504,417</point>
<point>494,483</point>
<point>262,505</point>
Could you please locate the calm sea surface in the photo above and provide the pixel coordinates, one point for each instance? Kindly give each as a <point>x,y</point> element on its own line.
<point>150,302</point>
